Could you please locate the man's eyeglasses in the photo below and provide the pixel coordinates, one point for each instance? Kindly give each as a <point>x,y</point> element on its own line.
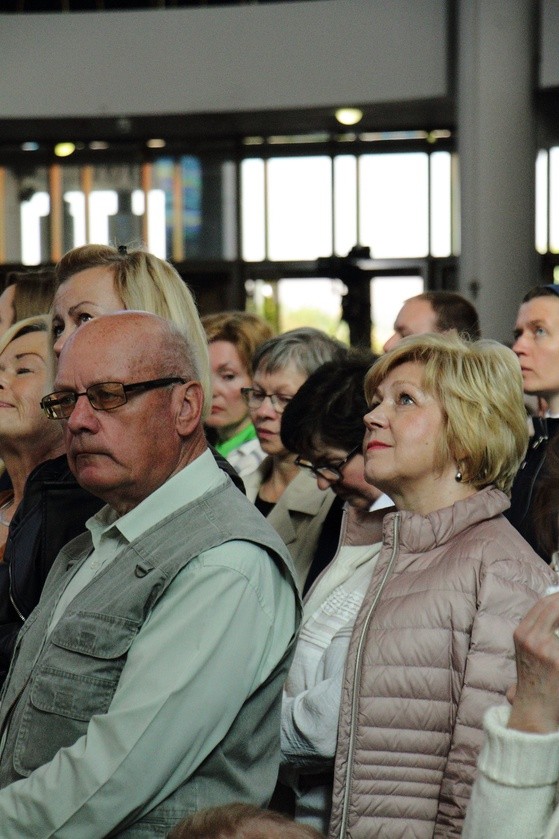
<point>103,397</point>
<point>330,471</point>
<point>255,397</point>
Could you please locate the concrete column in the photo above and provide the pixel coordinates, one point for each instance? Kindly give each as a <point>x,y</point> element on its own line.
<point>496,79</point>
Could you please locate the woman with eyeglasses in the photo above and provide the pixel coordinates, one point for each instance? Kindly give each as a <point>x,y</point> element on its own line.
<point>285,494</point>
<point>324,422</point>
<point>45,507</point>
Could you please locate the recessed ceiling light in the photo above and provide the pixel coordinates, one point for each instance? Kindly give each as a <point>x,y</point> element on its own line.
<point>98,145</point>
<point>156,144</point>
<point>349,116</point>
<point>64,149</point>
<point>30,146</point>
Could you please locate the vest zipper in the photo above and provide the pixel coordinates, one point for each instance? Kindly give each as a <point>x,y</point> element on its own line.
<point>356,675</point>
<point>12,601</point>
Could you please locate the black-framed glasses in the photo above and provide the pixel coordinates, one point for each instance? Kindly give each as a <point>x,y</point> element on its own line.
<point>330,471</point>
<point>255,397</point>
<point>106,396</point>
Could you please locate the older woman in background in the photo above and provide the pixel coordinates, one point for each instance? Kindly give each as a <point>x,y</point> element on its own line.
<point>432,646</point>
<point>287,495</point>
<point>45,507</point>
<point>232,341</point>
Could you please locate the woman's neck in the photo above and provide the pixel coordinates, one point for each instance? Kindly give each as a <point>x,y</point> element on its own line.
<point>426,500</point>
<point>229,431</point>
<point>282,473</point>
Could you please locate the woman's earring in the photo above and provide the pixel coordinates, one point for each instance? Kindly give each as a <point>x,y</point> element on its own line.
<point>458,476</point>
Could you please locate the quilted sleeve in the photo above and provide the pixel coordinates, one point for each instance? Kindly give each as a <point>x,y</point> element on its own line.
<point>507,589</point>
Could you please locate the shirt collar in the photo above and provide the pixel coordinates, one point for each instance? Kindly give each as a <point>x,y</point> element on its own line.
<point>200,476</point>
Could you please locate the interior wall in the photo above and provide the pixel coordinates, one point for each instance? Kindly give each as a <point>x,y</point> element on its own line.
<point>549,39</point>
<point>200,60</point>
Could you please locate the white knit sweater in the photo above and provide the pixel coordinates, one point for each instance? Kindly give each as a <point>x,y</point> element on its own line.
<point>515,793</point>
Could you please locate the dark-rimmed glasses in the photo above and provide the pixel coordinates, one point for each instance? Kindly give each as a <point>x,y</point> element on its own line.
<point>106,396</point>
<point>330,471</point>
<point>254,398</point>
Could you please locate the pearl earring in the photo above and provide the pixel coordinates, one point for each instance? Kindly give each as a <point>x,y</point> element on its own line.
<point>458,476</point>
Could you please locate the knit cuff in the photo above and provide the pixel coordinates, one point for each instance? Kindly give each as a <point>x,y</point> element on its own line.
<point>517,758</point>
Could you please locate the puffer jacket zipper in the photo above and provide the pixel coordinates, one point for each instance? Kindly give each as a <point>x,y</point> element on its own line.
<point>357,675</point>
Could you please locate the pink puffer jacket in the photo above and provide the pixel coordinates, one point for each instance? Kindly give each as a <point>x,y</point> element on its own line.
<point>432,648</point>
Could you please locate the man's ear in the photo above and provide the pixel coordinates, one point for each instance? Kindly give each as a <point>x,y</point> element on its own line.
<point>190,408</point>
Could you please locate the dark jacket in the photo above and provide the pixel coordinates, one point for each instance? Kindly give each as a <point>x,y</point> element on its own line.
<point>53,511</point>
<point>527,480</point>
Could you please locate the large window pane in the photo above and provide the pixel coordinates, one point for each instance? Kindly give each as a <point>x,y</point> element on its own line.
<point>394,204</point>
<point>345,203</point>
<point>388,294</point>
<point>441,212</point>
<point>34,229</point>
<point>291,303</point>
<point>253,213</point>
<point>112,216</point>
<point>299,208</point>
<point>554,199</point>
<point>191,205</point>
<point>74,216</point>
<point>31,226</point>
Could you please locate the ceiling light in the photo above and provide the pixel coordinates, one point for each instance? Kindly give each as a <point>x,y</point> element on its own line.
<point>64,149</point>
<point>156,144</point>
<point>98,145</point>
<point>30,146</point>
<point>349,116</point>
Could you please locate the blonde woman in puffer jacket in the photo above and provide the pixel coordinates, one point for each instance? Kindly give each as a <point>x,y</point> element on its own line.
<point>432,647</point>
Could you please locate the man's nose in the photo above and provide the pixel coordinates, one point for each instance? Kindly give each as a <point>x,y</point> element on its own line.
<point>83,417</point>
<point>391,343</point>
<point>520,344</point>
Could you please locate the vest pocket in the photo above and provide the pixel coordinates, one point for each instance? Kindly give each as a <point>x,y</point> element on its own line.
<point>77,678</point>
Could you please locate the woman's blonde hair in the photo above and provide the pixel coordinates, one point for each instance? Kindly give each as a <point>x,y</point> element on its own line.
<point>146,283</point>
<point>245,330</point>
<point>38,323</point>
<point>478,385</point>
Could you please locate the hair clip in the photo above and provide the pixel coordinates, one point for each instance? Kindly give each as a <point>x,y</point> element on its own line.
<point>123,250</point>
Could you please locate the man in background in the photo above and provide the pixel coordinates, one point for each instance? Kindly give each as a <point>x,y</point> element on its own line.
<point>536,343</point>
<point>435,311</point>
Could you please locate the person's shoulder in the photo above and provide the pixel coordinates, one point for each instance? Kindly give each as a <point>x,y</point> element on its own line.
<point>507,554</point>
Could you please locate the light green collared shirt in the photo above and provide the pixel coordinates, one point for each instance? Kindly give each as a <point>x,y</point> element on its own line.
<point>110,533</point>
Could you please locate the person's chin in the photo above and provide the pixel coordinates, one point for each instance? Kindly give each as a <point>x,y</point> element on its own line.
<point>215,420</point>
<point>90,469</point>
<point>269,445</point>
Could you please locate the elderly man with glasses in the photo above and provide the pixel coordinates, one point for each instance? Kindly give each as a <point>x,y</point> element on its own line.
<point>147,682</point>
